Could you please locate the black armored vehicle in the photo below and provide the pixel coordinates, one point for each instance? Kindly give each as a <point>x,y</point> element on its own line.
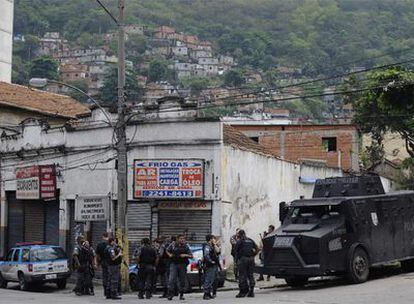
<point>349,226</point>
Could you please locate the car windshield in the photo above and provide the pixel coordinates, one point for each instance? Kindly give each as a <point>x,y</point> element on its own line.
<point>47,254</point>
<point>312,214</point>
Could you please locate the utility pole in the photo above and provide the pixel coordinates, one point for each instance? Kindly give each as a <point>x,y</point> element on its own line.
<point>122,170</point>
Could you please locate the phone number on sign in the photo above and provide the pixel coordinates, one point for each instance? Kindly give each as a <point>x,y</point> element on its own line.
<point>169,193</point>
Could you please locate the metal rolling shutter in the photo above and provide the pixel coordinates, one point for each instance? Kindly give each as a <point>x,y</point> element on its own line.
<point>52,222</point>
<point>34,221</point>
<point>139,224</point>
<point>195,224</point>
<point>15,220</point>
<point>97,229</point>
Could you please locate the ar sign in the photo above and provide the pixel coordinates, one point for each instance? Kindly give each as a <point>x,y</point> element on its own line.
<point>179,179</point>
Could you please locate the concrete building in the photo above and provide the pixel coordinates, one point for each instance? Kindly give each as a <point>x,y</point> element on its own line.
<point>185,175</point>
<point>6,39</point>
<point>332,145</point>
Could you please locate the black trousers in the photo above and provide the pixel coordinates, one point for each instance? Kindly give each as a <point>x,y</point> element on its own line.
<point>146,275</point>
<point>105,279</point>
<point>246,268</point>
<point>114,277</point>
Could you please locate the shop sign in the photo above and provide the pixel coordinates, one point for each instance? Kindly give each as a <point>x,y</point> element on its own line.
<point>36,182</point>
<point>27,183</point>
<point>47,182</point>
<point>91,208</point>
<point>167,178</point>
<point>176,205</point>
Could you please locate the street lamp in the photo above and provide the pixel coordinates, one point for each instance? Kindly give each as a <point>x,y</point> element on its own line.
<point>43,82</point>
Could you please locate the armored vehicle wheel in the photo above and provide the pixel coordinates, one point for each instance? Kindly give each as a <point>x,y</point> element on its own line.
<point>296,281</point>
<point>407,265</point>
<point>358,268</point>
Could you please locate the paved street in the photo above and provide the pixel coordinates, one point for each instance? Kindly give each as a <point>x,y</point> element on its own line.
<point>396,289</point>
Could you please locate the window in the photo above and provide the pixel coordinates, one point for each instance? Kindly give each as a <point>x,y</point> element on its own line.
<point>16,255</point>
<point>47,254</point>
<point>329,144</point>
<point>256,139</point>
<point>25,255</point>
<point>9,255</point>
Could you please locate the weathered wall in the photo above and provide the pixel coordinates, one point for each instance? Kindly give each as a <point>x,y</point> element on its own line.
<point>298,142</point>
<point>6,36</point>
<point>252,187</point>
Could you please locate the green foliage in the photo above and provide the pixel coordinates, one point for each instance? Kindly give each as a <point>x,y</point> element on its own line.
<point>234,78</point>
<point>388,106</point>
<point>320,37</point>
<point>82,85</point>
<point>109,92</point>
<point>195,84</point>
<point>44,67</point>
<point>158,70</point>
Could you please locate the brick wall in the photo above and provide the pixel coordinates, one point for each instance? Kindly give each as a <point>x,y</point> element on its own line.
<point>305,142</point>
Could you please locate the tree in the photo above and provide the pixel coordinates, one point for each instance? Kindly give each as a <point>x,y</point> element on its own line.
<point>82,85</point>
<point>158,70</point>
<point>234,78</point>
<point>387,107</point>
<point>109,92</point>
<point>44,67</point>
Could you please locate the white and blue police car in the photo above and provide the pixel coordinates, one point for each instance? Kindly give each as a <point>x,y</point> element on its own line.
<point>31,263</point>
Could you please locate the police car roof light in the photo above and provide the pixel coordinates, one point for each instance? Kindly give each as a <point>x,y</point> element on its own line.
<point>28,244</point>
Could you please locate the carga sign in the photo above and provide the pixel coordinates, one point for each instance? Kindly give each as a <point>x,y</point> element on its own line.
<point>178,179</point>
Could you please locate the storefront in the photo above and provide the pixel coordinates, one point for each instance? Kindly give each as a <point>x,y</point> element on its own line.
<point>170,200</point>
<point>33,209</point>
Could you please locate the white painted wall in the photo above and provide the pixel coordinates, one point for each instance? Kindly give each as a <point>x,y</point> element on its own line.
<point>6,39</point>
<point>252,187</point>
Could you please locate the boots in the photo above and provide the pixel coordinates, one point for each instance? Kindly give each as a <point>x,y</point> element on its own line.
<point>140,295</point>
<point>182,296</point>
<point>242,294</point>
<point>148,294</point>
<point>250,294</point>
<point>207,296</point>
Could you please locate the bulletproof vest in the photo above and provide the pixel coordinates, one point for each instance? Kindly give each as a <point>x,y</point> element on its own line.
<point>84,256</point>
<point>176,252</point>
<point>101,250</point>
<point>147,255</point>
<point>212,253</point>
<point>117,261</point>
<point>247,248</point>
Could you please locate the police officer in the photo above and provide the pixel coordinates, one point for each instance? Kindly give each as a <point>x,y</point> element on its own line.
<point>233,241</point>
<point>80,277</point>
<point>114,258</point>
<point>102,260</point>
<point>147,260</point>
<point>87,264</point>
<point>245,250</point>
<point>211,262</point>
<point>180,253</point>
<point>163,263</point>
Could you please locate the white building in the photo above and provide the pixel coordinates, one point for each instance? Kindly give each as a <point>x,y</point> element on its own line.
<point>185,175</point>
<point>6,39</point>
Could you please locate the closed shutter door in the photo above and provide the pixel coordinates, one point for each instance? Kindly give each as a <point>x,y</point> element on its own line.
<point>97,229</point>
<point>52,222</point>
<point>15,220</point>
<point>195,224</point>
<point>139,224</point>
<point>34,221</point>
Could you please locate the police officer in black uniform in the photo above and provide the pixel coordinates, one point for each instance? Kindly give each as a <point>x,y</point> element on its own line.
<point>180,253</point>
<point>211,262</point>
<point>147,260</point>
<point>114,256</point>
<point>102,260</point>
<point>76,265</point>
<point>245,250</point>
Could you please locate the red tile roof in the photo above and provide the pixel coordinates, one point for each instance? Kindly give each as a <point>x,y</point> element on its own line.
<point>46,103</point>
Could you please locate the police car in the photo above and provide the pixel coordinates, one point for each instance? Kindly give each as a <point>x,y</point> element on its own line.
<point>30,263</point>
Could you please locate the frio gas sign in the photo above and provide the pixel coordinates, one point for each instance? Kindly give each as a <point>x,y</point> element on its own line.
<point>177,179</point>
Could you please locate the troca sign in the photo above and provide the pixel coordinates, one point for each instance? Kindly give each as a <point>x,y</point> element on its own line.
<point>36,182</point>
